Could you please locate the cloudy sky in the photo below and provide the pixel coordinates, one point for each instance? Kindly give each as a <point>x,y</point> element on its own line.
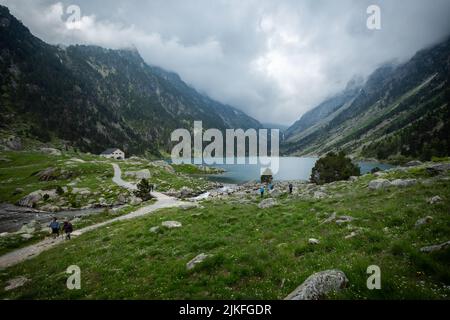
<point>272,59</point>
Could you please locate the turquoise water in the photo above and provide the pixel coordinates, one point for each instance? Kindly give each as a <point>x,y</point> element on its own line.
<point>290,168</point>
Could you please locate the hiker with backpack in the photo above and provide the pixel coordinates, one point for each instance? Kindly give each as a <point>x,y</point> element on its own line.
<point>68,229</point>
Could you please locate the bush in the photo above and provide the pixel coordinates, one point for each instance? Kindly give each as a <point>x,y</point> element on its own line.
<point>333,167</point>
<point>375,170</point>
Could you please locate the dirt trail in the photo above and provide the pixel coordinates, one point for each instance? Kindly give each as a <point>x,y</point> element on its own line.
<point>20,255</point>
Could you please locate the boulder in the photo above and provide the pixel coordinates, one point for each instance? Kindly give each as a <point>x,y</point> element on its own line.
<point>344,219</point>
<point>319,285</point>
<point>50,208</point>
<point>379,184</point>
<point>436,169</point>
<point>186,192</point>
<point>31,199</point>
<point>82,191</point>
<point>48,174</point>
<point>423,221</point>
<point>314,241</point>
<point>51,151</point>
<point>171,224</point>
<point>164,165</point>
<point>198,259</point>
<point>413,163</point>
<point>13,143</point>
<point>154,229</point>
<point>434,200</point>
<point>188,206</point>
<point>403,183</point>
<point>134,201</point>
<point>267,203</point>
<point>436,247</point>
<point>16,283</point>
<point>331,218</point>
<point>351,235</point>
<point>319,195</point>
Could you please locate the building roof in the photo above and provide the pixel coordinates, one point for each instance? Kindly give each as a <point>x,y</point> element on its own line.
<point>111,150</point>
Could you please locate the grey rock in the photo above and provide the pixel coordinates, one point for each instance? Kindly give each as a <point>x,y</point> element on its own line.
<point>154,229</point>
<point>344,219</point>
<point>423,221</point>
<point>319,285</point>
<point>51,151</point>
<point>403,183</point>
<point>414,163</point>
<point>319,195</point>
<point>331,218</point>
<point>379,184</point>
<point>267,203</point>
<point>434,200</point>
<point>172,224</point>
<point>314,241</point>
<point>16,283</point>
<point>142,174</point>
<point>198,259</point>
<point>436,247</point>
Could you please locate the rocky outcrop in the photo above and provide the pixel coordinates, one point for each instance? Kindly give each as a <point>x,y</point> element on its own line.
<point>319,285</point>
<point>423,221</point>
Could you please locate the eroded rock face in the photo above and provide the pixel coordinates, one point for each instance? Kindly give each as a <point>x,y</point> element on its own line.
<point>319,285</point>
<point>267,203</point>
<point>198,259</point>
<point>379,184</point>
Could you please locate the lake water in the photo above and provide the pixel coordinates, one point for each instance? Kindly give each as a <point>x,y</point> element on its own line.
<point>290,168</point>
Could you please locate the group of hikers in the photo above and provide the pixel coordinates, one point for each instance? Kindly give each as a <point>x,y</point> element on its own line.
<point>270,187</point>
<point>56,227</point>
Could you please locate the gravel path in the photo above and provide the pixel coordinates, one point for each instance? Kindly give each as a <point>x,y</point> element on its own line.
<point>20,255</point>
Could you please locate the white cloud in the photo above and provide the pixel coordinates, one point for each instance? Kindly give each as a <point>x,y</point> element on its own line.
<point>274,60</point>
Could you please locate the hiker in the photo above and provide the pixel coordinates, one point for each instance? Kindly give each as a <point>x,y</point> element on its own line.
<point>68,229</point>
<point>152,187</point>
<point>261,190</point>
<point>54,225</point>
<point>290,188</point>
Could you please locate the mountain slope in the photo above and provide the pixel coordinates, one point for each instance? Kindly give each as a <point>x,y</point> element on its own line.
<point>401,111</point>
<point>95,98</point>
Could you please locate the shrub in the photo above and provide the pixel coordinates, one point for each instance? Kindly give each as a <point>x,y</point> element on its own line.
<point>333,167</point>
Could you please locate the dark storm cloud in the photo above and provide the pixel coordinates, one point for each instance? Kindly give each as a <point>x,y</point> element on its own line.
<point>274,60</point>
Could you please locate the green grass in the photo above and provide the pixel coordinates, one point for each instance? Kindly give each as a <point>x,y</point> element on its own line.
<point>257,254</point>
